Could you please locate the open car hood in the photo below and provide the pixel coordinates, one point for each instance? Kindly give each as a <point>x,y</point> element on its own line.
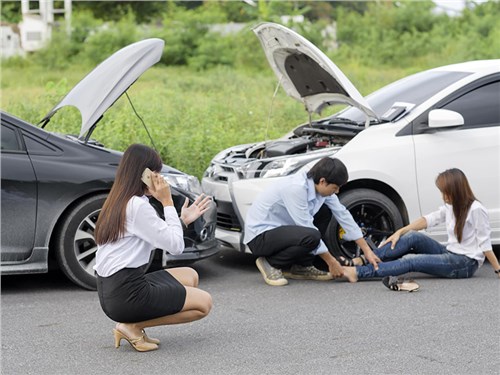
<point>305,72</point>
<point>95,93</point>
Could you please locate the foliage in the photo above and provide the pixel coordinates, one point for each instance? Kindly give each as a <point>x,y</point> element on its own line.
<point>142,11</point>
<point>11,12</point>
<point>401,33</point>
<point>410,33</point>
<point>183,29</point>
<point>191,116</point>
<point>108,39</point>
<point>212,89</point>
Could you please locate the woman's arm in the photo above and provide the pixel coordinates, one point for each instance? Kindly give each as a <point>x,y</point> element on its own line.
<point>490,255</point>
<point>417,225</point>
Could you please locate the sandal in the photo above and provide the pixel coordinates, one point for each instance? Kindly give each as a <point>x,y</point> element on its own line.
<point>348,262</point>
<point>150,339</point>
<point>139,343</point>
<point>399,284</point>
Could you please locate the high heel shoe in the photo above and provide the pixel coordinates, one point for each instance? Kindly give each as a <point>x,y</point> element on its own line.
<point>139,343</point>
<point>150,339</point>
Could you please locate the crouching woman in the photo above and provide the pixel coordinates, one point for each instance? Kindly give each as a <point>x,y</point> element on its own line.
<point>127,230</point>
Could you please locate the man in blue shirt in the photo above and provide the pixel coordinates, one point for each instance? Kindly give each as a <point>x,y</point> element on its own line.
<point>286,222</point>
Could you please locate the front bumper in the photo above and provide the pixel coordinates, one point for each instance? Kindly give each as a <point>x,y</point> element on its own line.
<point>233,198</point>
<point>192,253</point>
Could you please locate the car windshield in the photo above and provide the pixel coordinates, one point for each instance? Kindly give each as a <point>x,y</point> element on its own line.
<point>414,89</point>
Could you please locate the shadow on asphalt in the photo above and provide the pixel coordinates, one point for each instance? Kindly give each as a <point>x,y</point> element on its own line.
<point>54,280</point>
<point>224,262</point>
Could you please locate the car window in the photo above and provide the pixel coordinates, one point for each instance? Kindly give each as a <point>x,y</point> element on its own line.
<point>10,142</point>
<point>414,89</point>
<point>36,147</point>
<point>479,107</point>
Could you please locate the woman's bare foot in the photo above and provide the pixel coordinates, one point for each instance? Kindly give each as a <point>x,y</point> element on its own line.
<point>358,261</point>
<point>350,274</point>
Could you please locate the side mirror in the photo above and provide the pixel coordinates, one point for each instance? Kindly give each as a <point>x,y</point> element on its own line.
<point>442,118</point>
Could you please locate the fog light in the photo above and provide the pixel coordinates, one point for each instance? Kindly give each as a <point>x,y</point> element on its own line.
<point>204,234</point>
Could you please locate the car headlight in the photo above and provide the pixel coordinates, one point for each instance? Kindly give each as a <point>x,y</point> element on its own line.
<point>282,166</point>
<point>184,182</point>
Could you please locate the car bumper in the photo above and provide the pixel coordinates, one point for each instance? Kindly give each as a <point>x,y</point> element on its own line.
<point>192,253</point>
<point>234,197</point>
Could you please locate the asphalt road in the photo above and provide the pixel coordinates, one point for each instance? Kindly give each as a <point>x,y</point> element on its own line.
<point>50,326</point>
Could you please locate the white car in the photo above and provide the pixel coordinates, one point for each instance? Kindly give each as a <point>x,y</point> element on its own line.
<point>394,142</point>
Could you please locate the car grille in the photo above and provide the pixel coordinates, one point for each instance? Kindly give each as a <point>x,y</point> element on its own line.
<point>226,217</point>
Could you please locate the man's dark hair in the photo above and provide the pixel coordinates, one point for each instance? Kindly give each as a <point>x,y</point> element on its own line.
<point>332,170</point>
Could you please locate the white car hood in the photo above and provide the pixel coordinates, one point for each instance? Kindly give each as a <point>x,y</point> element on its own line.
<point>305,72</point>
<point>95,93</point>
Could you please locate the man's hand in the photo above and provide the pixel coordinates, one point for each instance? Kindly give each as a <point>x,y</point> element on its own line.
<point>335,269</point>
<point>370,256</point>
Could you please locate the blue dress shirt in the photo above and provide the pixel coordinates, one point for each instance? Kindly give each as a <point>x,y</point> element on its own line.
<point>293,201</point>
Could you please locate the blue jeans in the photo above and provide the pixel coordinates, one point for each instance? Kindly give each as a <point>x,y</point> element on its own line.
<point>416,252</point>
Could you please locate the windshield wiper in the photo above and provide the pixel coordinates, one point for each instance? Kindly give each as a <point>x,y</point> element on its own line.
<point>340,120</point>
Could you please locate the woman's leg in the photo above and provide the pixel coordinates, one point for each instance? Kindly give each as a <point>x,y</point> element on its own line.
<point>446,265</point>
<point>185,275</point>
<point>411,242</point>
<point>197,305</point>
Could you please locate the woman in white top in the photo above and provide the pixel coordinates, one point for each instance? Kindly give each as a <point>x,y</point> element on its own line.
<point>127,231</point>
<point>468,242</point>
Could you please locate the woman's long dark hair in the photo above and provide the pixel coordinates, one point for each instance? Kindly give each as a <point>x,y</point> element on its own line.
<point>454,185</point>
<point>111,223</point>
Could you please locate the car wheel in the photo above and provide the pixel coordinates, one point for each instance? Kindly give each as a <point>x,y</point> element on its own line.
<point>377,216</point>
<point>75,243</point>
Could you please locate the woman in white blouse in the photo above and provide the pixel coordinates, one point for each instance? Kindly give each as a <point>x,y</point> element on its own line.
<point>468,243</point>
<point>127,231</point>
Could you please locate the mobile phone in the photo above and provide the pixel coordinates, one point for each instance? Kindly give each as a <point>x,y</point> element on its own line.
<point>147,176</point>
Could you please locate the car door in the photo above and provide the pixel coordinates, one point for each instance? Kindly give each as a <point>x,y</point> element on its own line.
<point>19,197</point>
<point>473,148</point>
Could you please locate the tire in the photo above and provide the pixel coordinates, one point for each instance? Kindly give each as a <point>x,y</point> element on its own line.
<point>75,243</point>
<point>377,216</point>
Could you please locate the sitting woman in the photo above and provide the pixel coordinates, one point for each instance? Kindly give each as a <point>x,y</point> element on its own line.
<point>468,242</point>
<point>127,230</point>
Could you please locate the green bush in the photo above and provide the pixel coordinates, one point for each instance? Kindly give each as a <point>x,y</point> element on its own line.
<point>109,38</point>
<point>217,89</point>
<point>182,30</point>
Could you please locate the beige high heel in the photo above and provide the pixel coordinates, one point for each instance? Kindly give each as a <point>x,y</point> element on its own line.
<point>139,343</point>
<point>150,339</point>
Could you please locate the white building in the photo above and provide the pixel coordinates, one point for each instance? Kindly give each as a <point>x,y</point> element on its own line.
<point>35,29</point>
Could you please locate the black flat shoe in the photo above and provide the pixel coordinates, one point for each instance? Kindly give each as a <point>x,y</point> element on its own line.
<point>348,262</point>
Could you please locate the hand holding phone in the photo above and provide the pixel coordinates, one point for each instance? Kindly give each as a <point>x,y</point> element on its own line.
<point>147,177</point>
<point>160,189</point>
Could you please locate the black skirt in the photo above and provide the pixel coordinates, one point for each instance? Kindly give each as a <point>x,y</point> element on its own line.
<point>130,295</point>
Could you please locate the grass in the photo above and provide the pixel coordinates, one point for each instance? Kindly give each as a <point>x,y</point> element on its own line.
<point>190,115</point>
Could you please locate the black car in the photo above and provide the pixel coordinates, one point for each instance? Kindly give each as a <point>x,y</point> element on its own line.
<point>53,185</point>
